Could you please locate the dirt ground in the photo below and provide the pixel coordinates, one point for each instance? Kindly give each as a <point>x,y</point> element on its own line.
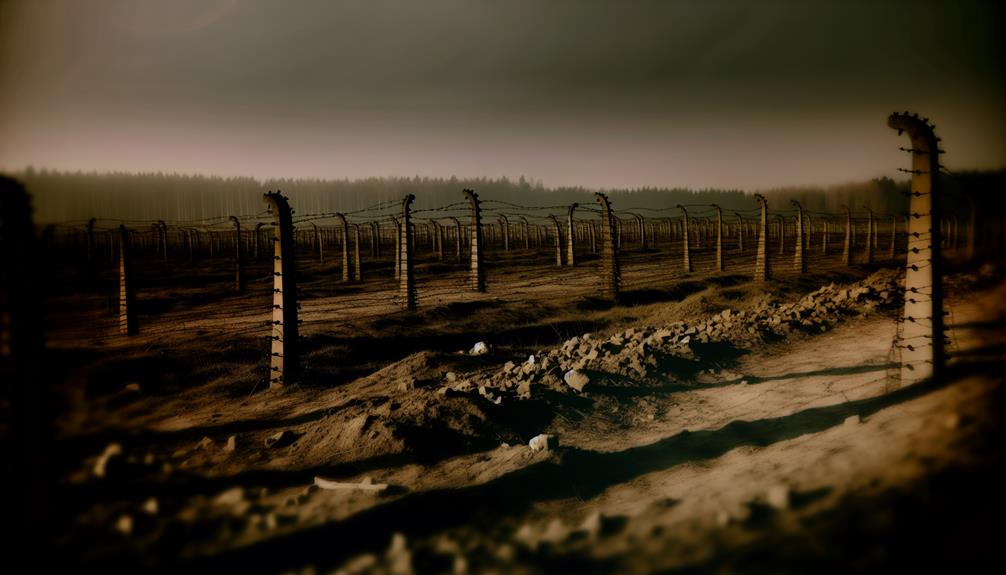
<point>778,450</point>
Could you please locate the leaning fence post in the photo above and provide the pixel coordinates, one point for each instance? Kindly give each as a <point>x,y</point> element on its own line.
<point>127,305</point>
<point>761,258</point>
<point>921,335</point>
<point>611,274</point>
<point>407,283</point>
<point>799,262</point>
<point>285,360</point>
<point>684,234</point>
<point>477,274</point>
<point>239,272</point>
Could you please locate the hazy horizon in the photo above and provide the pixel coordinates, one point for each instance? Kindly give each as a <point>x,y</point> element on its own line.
<point>601,95</point>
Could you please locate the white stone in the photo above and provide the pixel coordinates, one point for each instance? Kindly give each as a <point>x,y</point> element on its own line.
<point>479,348</point>
<point>101,465</point>
<point>576,379</point>
<point>541,442</point>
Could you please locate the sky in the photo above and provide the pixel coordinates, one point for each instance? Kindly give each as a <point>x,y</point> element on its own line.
<point>602,94</point>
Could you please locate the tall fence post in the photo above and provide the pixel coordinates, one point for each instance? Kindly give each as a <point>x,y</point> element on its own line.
<point>357,262</point>
<point>477,273</point>
<point>239,260</point>
<point>686,250</point>
<point>505,232</point>
<point>127,291</point>
<point>284,361</point>
<point>319,244</point>
<point>398,247</point>
<point>871,239</point>
<point>921,338</point>
<point>826,223</point>
<point>570,236</point>
<point>407,282</point>
<point>847,249</point>
<point>719,238</point>
<point>611,278</point>
<point>162,233</point>
<point>344,227</point>
<point>558,240</point>
<point>740,232</point>
<point>90,240</point>
<point>761,258</point>
<point>799,262</point>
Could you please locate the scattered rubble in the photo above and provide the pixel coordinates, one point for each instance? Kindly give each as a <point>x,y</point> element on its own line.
<point>640,354</point>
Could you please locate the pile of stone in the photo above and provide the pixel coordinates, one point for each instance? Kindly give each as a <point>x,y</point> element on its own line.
<point>635,353</point>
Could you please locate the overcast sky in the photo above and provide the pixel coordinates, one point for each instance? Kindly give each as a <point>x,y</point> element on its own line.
<point>745,94</point>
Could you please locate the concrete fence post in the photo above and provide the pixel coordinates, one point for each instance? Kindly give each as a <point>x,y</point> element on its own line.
<point>799,262</point>
<point>505,232</point>
<point>847,246</point>
<point>826,224</point>
<point>398,247</point>
<point>719,238</point>
<point>344,232</point>
<point>557,230</point>
<point>781,224</point>
<point>570,236</point>
<point>922,338</point>
<point>611,274</point>
<point>476,273</point>
<point>318,243</point>
<point>762,272</point>
<point>357,261</point>
<point>740,232</point>
<point>239,260</point>
<point>686,249</point>
<point>871,240</point>
<point>457,238</point>
<point>407,282</point>
<point>127,291</point>
<point>285,359</point>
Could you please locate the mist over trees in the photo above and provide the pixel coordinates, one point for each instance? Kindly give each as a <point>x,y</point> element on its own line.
<point>74,196</point>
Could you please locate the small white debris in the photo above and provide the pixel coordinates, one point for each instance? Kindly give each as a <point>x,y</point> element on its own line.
<point>555,532</point>
<point>101,465</point>
<point>576,379</point>
<point>124,525</point>
<point>150,506</point>
<point>542,442</point>
<point>479,348</point>
<point>231,444</point>
<point>778,496</point>
<point>366,484</point>
<point>232,496</point>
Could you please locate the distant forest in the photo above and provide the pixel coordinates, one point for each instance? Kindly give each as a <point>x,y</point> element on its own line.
<point>75,196</point>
